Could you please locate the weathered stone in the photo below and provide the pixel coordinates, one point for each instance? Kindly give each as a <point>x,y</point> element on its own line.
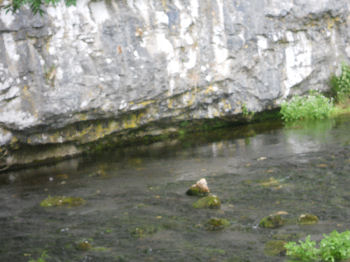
<point>199,189</point>
<point>72,78</point>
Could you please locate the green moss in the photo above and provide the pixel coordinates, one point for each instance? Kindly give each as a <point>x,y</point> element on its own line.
<point>56,201</point>
<point>83,245</point>
<point>307,219</point>
<point>211,201</point>
<point>215,224</point>
<point>272,221</point>
<point>275,248</point>
<point>196,191</point>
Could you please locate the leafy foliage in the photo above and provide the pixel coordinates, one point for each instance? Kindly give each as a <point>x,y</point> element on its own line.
<point>304,251</point>
<point>36,6</point>
<point>340,86</point>
<point>312,106</point>
<point>336,246</point>
<point>333,247</point>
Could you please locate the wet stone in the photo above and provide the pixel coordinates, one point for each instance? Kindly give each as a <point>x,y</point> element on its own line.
<point>83,245</point>
<point>272,221</point>
<point>215,224</point>
<point>211,201</point>
<point>199,189</point>
<point>307,219</point>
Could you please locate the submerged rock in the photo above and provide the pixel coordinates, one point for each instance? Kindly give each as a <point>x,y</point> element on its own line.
<point>275,248</point>
<point>56,201</point>
<point>272,221</point>
<point>307,219</point>
<point>200,188</point>
<point>211,201</point>
<point>215,224</point>
<point>83,245</point>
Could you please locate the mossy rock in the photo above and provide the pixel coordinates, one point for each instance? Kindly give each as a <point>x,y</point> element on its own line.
<point>275,248</point>
<point>215,224</point>
<point>199,189</point>
<point>196,191</point>
<point>55,201</point>
<point>272,221</point>
<point>307,219</point>
<point>83,245</point>
<point>211,201</point>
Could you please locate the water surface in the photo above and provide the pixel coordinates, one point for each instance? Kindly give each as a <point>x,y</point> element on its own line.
<point>136,208</point>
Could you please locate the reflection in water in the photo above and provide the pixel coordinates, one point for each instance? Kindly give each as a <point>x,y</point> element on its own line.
<point>136,208</point>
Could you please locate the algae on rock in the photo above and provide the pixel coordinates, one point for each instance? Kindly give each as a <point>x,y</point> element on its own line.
<point>211,201</point>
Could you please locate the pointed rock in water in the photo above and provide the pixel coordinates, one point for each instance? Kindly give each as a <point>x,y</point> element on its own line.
<point>272,221</point>
<point>307,219</point>
<point>199,189</point>
<point>211,201</point>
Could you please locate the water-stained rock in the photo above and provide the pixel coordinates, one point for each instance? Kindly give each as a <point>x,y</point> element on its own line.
<point>120,70</point>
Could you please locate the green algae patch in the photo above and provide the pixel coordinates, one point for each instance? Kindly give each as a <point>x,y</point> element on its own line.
<point>275,248</point>
<point>307,219</point>
<point>215,224</point>
<point>57,201</point>
<point>272,221</point>
<point>211,201</point>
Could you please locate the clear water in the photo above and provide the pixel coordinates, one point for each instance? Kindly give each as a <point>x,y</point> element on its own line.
<point>136,208</point>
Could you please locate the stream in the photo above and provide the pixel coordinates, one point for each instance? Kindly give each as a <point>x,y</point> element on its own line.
<point>135,207</point>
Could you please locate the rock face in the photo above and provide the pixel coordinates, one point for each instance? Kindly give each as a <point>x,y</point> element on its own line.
<point>81,73</point>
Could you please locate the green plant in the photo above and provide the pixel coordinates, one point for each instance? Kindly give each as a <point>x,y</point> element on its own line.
<point>246,113</point>
<point>340,85</point>
<point>35,5</point>
<point>312,106</point>
<point>42,258</point>
<point>304,251</point>
<point>333,247</point>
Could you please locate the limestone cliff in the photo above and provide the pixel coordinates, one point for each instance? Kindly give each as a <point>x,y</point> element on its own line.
<point>78,74</point>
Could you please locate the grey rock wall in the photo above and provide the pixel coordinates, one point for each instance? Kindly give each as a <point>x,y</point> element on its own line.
<point>80,73</point>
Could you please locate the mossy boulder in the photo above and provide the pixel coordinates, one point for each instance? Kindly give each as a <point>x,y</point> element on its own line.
<point>199,189</point>
<point>83,245</point>
<point>272,221</point>
<point>307,219</point>
<point>215,224</point>
<point>55,201</point>
<point>211,201</point>
<point>275,248</point>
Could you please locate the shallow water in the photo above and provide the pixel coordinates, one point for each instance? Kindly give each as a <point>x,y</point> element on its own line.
<point>136,208</point>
